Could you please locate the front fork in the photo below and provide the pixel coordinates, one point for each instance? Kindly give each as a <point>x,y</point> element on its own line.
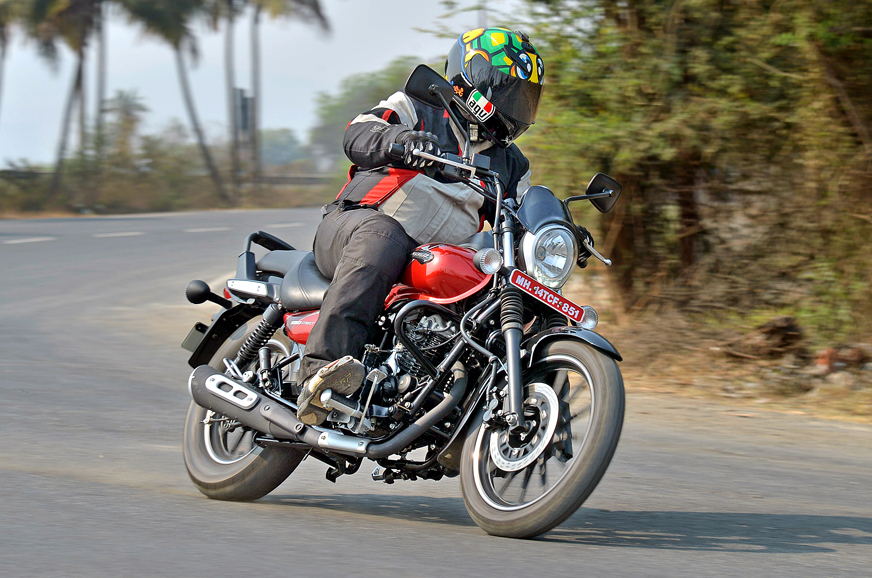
<point>512,325</point>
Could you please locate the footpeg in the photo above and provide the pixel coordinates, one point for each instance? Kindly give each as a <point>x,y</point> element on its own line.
<point>386,475</point>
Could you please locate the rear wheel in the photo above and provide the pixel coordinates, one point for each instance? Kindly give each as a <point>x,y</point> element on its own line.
<point>220,455</point>
<point>523,485</point>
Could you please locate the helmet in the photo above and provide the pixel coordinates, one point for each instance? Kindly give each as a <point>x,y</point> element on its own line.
<point>497,75</point>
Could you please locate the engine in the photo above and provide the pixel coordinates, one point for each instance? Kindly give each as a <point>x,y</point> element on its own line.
<point>432,334</point>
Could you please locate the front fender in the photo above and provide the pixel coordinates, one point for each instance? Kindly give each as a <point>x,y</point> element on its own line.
<point>228,321</point>
<point>586,336</point>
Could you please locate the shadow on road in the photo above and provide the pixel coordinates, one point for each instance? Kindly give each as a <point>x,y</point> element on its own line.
<point>714,531</point>
<point>720,531</point>
<point>412,508</point>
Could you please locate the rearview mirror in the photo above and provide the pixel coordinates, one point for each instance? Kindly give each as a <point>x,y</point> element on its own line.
<point>605,190</point>
<point>425,84</point>
<point>602,190</point>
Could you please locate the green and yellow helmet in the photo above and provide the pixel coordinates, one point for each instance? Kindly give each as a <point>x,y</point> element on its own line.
<point>497,74</point>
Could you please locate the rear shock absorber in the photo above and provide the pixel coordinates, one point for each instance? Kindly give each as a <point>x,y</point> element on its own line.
<point>273,318</point>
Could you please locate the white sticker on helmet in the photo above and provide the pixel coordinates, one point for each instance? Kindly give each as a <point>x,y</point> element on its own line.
<point>481,107</point>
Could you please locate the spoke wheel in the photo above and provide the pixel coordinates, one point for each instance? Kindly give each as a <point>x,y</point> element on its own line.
<point>524,484</point>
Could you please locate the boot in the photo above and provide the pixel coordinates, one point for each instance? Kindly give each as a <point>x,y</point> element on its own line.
<point>344,376</point>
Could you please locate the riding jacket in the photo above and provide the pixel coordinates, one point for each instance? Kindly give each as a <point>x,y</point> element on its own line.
<point>429,208</point>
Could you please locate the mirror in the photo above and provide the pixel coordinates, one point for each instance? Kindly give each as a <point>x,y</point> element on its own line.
<point>602,184</point>
<point>422,80</point>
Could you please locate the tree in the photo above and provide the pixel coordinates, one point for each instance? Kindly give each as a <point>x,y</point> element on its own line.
<point>8,13</point>
<point>72,22</point>
<point>692,100</point>
<point>127,109</point>
<point>170,21</point>
<point>304,10</point>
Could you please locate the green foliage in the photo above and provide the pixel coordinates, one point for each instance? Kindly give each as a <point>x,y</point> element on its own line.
<point>279,147</point>
<point>739,129</point>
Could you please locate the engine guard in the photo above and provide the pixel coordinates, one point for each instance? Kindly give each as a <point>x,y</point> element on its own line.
<point>586,336</point>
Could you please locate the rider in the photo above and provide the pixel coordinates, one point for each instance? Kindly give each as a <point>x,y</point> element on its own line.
<point>388,208</point>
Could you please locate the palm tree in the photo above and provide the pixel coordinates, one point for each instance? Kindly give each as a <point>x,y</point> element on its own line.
<point>305,10</point>
<point>169,20</point>
<point>100,35</point>
<point>7,15</point>
<point>72,22</point>
<point>127,108</point>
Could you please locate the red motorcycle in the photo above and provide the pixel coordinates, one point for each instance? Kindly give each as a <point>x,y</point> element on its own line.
<point>480,367</point>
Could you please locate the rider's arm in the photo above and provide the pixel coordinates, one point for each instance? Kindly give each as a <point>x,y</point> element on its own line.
<point>369,135</point>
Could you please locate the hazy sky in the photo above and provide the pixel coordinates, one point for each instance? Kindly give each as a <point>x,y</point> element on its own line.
<point>297,63</point>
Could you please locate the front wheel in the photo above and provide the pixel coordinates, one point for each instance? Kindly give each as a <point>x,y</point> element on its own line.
<point>521,486</point>
<point>221,457</point>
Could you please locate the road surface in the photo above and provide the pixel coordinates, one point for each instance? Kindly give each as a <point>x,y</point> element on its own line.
<point>92,483</point>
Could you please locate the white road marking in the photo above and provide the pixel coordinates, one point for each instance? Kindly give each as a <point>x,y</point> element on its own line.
<point>127,234</point>
<point>284,225</point>
<point>207,230</point>
<point>28,240</point>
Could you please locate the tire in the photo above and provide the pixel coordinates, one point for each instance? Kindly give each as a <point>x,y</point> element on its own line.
<point>228,465</point>
<point>580,438</point>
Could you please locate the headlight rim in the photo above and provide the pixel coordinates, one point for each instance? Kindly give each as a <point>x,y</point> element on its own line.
<point>528,254</point>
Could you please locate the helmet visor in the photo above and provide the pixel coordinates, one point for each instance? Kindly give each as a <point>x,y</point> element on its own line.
<point>514,97</point>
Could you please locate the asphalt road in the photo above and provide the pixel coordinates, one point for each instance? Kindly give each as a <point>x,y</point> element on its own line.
<point>92,483</point>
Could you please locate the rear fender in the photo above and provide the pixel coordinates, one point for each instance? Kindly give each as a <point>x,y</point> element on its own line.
<point>585,336</point>
<point>228,321</point>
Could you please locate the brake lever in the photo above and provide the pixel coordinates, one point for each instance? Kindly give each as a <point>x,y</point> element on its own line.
<point>595,253</point>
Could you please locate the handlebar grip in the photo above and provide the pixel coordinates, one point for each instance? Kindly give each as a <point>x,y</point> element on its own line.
<point>396,151</point>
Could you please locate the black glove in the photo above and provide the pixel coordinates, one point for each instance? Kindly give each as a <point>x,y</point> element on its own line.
<point>583,253</point>
<point>424,142</point>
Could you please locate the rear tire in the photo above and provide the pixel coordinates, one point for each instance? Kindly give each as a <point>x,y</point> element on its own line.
<point>228,465</point>
<point>579,438</point>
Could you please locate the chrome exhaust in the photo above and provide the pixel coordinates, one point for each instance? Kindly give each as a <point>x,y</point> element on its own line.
<point>213,390</point>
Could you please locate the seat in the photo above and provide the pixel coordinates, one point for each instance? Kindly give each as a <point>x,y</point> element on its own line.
<point>303,285</point>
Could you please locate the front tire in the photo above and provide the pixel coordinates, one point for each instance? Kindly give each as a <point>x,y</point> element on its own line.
<point>227,465</point>
<point>574,405</point>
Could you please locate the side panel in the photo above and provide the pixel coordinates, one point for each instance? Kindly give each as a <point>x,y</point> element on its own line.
<point>298,326</point>
<point>591,338</point>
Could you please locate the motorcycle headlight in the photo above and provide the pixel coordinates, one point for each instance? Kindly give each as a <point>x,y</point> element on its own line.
<point>549,254</point>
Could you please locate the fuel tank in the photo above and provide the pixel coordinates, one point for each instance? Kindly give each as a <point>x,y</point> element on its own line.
<point>440,273</point>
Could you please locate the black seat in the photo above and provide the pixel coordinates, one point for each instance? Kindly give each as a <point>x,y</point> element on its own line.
<point>303,285</point>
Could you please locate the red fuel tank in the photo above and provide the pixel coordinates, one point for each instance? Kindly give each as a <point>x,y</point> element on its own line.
<point>448,277</point>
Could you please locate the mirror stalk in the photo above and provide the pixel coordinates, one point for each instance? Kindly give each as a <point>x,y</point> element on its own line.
<point>466,145</point>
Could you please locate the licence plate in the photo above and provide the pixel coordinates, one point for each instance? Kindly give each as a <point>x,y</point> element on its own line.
<point>547,296</point>
<point>198,332</point>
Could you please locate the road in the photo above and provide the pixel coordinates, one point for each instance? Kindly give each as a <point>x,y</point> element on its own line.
<point>92,483</point>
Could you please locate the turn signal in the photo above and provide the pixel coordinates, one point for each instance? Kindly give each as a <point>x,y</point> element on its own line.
<point>590,319</point>
<point>488,261</point>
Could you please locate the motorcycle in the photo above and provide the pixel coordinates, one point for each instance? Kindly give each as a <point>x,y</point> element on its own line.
<point>480,366</point>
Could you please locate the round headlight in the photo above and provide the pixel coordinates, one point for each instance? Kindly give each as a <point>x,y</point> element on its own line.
<point>549,255</point>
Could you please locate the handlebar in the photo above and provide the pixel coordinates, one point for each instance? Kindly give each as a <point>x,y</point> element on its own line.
<point>478,163</point>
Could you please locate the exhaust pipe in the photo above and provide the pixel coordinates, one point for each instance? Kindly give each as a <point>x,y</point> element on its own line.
<point>213,390</point>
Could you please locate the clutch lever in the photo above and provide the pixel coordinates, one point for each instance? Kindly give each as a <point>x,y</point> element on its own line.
<point>595,253</point>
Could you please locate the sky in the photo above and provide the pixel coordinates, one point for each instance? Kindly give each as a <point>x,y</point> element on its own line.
<point>298,62</point>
